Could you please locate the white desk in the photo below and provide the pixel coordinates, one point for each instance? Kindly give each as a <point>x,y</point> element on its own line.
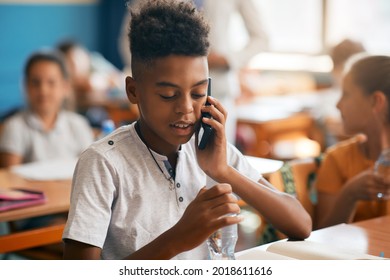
<point>265,165</point>
<point>366,237</point>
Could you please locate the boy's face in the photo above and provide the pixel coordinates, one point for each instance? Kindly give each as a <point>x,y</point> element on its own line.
<point>170,95</point>
<point>46,87</point>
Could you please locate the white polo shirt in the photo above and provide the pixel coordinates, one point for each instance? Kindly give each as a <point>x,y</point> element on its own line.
<point>23,135</point>
<point>121,201</point>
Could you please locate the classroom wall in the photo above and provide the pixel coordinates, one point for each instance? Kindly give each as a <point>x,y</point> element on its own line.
<point>26,26</point>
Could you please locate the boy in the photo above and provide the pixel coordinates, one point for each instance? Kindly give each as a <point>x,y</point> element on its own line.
<point>139,193</point>
<point>44,131</point>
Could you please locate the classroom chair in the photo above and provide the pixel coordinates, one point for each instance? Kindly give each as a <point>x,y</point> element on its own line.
<point>297,178</point>
<point>29,243</point>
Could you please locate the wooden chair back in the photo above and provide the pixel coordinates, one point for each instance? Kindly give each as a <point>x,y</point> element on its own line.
<point>297,177</point>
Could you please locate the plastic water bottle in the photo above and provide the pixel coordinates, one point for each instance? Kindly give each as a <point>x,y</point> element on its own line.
<point>382,167</point>
<point>222,243</point>
<point>108,126</point>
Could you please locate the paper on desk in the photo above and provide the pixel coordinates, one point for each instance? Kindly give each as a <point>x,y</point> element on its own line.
<point>46,170</point>
<point>253,254</point>
<point>308,250</point>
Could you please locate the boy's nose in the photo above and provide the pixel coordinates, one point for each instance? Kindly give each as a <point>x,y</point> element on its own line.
<point>184,106</point>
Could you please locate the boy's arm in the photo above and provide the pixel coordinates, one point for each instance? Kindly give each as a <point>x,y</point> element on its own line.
<point>8,159</point>
<point>280,209</point>
<point>157,249</point>
<point>74,250</point>
<point>204,215</point>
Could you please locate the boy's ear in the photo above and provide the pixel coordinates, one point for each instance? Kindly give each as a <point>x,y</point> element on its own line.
<point>131,92</point>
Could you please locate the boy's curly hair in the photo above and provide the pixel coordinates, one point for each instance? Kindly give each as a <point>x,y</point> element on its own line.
<point>159,28</point>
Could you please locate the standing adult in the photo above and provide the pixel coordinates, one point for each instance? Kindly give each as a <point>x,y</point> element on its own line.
<point>225,59</point>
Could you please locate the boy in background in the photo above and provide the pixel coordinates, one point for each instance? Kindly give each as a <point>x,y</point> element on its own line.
<point>44,131</point>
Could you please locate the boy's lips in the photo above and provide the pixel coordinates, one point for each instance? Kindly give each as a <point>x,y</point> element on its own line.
<point>182,128</point>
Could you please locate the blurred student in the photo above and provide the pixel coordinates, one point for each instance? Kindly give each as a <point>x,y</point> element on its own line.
<point>340,53</point>
<point>44,131</point>
<point>93,80</point>
<point>139,193</point>
<point>330,119</point>
<point>225,58</point>
<point>347,185</point>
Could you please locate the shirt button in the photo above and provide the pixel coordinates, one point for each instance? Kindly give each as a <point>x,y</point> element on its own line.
<point>178,185</point>
<point>181,199</point>
<point>111,142</point>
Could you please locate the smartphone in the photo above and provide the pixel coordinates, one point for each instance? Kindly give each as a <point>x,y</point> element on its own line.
<point>205,130</point>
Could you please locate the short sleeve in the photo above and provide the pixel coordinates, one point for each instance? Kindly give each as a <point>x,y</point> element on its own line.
<point>92,196</point>
<point>82,132</point>
<point>237,160</point>
<point>12,139</point>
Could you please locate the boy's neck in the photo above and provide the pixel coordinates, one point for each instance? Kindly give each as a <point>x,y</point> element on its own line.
<point>171,155</point>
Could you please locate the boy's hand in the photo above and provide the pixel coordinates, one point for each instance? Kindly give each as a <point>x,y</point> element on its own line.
<point>204,215</point>
<point>212,159</point>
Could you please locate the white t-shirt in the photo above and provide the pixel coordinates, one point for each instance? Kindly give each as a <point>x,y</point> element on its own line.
<point>121,201</point>
<point>23,135</point>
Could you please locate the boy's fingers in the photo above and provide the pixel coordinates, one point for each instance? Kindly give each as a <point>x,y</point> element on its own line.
<point>202,190</point>
<point>227,220</point>
<point>225,209</point>
<point>216,191</point>
<point>217,104</point>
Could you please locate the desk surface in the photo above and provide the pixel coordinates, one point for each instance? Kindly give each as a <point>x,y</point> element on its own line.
<point>265,165</point>
<point>368,237</point>
<point>57,193</point>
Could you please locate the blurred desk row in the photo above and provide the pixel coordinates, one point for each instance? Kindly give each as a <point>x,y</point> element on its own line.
<point>289,126</point>
<point>57,193</point>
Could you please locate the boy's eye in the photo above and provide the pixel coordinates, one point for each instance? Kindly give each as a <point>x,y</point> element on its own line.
<point>198,95</point>
<point>167,97</point>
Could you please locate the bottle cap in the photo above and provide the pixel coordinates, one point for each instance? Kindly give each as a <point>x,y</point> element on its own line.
<point>108,126</point>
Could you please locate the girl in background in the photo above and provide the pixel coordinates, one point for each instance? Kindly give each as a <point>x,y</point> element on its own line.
<point>349,190</point>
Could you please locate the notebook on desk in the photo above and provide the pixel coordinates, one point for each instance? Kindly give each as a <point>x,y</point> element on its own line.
<point>57,169</point>
<point>19,198</point>
<point>304,250</point>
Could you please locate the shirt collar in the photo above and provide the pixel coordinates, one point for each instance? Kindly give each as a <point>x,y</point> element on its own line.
<point>35,122</point>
